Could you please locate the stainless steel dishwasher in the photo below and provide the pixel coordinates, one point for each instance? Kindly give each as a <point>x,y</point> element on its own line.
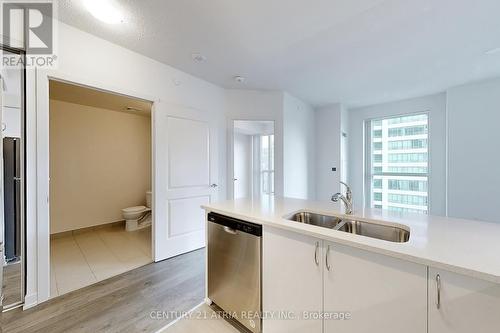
<point>234,268</point>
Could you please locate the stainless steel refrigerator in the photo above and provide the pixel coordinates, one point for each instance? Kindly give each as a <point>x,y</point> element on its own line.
<point>12,199</point>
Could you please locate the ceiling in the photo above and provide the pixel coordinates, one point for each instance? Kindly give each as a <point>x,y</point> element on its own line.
<point>357,52</point>
<point>254,127</point>
<point>76,94</point>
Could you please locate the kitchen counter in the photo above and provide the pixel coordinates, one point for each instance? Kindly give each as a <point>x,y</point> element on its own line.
<point>466,247</point>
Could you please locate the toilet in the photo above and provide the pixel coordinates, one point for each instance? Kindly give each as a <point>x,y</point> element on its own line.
<point>138,217</point>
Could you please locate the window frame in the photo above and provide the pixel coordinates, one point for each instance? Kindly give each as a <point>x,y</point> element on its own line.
<point>369,149</point>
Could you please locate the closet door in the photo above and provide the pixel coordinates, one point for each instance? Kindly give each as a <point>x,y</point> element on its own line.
<point>2,255</point>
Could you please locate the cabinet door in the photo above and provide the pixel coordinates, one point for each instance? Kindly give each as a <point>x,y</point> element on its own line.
<point>291,281</point>
<point>466,304</point>
<point>380,293</point>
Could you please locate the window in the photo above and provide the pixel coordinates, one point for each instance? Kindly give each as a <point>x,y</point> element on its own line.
<point>407,131</point>
<point>267,163</point>
<point>397,163</point>
<point>406,144</point>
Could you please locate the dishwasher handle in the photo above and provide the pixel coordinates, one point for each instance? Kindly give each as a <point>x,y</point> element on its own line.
<point>230,231</point>
<point>235,226</point>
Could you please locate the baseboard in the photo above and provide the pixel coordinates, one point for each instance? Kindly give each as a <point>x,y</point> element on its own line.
<point>86,229</point>
<point>30,301</point>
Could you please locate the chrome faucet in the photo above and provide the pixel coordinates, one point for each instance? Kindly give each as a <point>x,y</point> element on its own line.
<point>347,199</point>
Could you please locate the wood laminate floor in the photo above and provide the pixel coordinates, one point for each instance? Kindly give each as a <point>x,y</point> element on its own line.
<point>124,303</point>
<point>203,319</point>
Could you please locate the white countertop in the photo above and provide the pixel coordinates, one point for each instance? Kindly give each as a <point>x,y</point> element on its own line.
<point>463,246</point>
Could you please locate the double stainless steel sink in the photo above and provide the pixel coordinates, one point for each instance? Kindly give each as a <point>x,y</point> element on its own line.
<point>391,233</point>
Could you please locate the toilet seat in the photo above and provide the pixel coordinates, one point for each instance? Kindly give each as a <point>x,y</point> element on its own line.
<point>135,209</point>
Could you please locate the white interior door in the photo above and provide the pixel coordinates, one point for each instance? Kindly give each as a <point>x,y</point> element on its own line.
<point>190,180</point>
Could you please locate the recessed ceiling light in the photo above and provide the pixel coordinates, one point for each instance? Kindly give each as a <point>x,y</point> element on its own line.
<point>198,57</point>
<point>493,51</point>
<point>104,10</point>
<point>239,78</point>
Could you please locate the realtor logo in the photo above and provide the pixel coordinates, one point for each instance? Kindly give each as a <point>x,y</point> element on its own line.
<point>29,26</point>
<point>30,23</point>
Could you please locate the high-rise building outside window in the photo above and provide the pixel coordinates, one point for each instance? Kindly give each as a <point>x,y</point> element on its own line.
<point>397,150</point>
<point>267,163</point>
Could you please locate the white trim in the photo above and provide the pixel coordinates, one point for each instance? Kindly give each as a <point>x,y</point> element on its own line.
<point>41,166</point>
<point>31,258</point>
<point>30,301</point>
<point>230,152</point>
<point>447,154</point>
<point>42,181</point>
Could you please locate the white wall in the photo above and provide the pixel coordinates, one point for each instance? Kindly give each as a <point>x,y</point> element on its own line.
<point>83,57</point>
<point>473,152</point>
<point>298,149</point>
<point>436,106</point>
<point>328,151</point>
<point>256,105</point>
<point>243,165</point>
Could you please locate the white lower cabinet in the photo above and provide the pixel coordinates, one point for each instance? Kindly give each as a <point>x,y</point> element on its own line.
<point>315,286</point>
<point>379,293</point>
<point>465,304</point>
<point>292,282</point>
<point>382,294</point>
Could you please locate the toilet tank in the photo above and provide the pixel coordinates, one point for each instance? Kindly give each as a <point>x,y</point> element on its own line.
<point>148,199</point>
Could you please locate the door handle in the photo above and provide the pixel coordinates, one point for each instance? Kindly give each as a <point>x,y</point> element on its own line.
<point>327,261</point>
<point>230,231</point>
<point>316,260</point>
<point>214,185</point>
<point>438,287</point>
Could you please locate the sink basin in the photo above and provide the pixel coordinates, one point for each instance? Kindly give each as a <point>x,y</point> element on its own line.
<point>319,220</point>
<point>391,233</point>
<point>373,230</point>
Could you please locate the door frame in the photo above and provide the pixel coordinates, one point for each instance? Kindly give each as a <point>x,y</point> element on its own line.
<point>41,271</point>
<point>230,152</point>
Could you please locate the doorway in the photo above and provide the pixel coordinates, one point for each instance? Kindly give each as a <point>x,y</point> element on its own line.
<point>100,185</point>
<point>253,163</point>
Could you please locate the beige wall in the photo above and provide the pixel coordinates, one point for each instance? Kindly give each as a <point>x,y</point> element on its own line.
<point>100,162</point>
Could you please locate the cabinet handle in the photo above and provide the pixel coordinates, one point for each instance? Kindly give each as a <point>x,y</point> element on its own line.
<point>438,285</point>
<point>328,267</point>
<point>316,260</point>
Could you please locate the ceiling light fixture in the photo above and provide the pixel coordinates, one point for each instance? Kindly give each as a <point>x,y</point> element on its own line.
<point>493,51</point>
<point>239,78</point>
<point>104,10</point>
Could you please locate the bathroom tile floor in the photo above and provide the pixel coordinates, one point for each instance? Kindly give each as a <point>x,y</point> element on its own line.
<point>85,258</point>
